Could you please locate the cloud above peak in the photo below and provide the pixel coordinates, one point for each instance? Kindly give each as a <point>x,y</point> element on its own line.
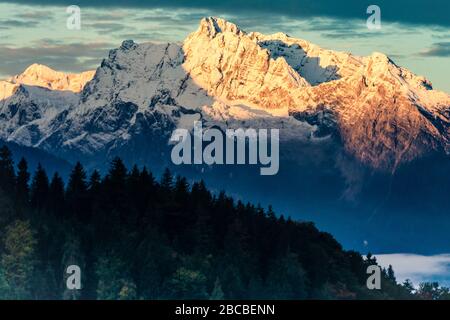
<point>439,49</point>
<point>70,57</point>
<point>431,12</point>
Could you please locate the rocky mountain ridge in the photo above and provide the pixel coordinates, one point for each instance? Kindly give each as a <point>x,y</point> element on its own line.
<point>383,114</point>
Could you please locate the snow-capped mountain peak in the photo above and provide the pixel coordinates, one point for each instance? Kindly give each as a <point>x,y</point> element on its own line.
<point>43,76</point>
<point>383,114</point>
<point>211,26</point>
<point>31,102</point>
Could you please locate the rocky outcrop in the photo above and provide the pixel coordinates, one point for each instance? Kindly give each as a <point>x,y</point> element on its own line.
<point>231,66</point>
<point>384,114</point>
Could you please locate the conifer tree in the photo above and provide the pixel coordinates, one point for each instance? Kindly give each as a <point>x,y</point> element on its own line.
<point>166,181</point>
<point>56,198</point>
<point>39,188</point>
<point>181,191</point>
<point>116,186</point>
<point>147,186</point>
<point>76,194</point>
<point>391,274</point>
<point>94,182</point>
<point>77,185</point>
<point>22,188</point>
<point>7,174</point>
<point>117,174</point>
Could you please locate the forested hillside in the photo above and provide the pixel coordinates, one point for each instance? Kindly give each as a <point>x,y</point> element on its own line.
<point>138,237</point>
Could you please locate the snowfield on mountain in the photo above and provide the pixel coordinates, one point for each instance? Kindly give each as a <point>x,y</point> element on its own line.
<point>383,114</point>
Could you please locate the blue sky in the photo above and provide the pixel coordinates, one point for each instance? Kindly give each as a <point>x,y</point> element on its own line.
<point>414,36</point>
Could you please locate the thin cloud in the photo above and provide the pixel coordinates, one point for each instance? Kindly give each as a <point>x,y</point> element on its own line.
<point>106,15</point>
<point>34,15</point>
<point>72,57</point>
<point>13,23</point>
<point>439,49</point>
<point>431,12</point>
<point>418,268</point>
<point>144,36</point>
<point>106,26</point>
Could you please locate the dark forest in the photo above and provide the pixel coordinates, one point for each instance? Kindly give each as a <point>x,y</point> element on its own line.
<point>138,237</point>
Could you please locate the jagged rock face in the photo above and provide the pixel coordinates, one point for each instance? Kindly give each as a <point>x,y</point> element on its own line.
<point>314,64</point>
<point>136,91</point>
<point>31,102</point>
<point>7,89</point>
<point>383,114</point>
<point>231,66</point>
<point>27,116</point>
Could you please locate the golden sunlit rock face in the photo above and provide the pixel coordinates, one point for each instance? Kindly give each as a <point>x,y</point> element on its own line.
<point>385,114</point>
<point>43,76</point>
